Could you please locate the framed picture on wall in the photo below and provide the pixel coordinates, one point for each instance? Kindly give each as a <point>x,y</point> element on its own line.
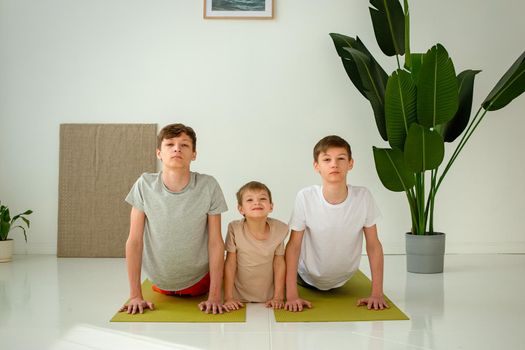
<point>242,9</point>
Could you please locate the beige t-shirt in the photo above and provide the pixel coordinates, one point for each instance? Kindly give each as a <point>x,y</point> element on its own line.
<point>254,277</point>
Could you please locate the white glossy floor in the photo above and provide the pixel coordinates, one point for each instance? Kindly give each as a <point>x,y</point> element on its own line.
<point>50,303</point>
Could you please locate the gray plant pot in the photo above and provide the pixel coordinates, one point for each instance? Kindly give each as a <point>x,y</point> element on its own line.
<point>425,253</point>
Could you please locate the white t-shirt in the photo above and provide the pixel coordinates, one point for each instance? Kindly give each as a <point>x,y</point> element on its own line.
<point>333,234</point>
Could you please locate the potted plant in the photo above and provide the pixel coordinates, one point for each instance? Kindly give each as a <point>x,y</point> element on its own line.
<point>6,225</point>
<point>417,108</point>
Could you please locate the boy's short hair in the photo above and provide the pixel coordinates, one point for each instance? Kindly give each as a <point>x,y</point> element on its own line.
<point>331,141</point>
<point>174,130</point>
<point>253,186</point>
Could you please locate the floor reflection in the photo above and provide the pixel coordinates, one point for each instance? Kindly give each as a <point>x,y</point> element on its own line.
<point>91,337</point>
<point>425,300</point>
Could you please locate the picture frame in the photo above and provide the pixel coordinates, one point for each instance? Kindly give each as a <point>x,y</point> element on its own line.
<point>238,9</point>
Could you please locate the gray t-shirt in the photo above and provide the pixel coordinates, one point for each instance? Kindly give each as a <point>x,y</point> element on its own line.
<point>175,254</point>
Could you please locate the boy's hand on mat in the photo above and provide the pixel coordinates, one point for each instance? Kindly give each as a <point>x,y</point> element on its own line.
<point>296,305</point>
<point>211,306</point>
<point>137,305</point>
<point>373,302</point>
<point>231,305</point>
<point>275,303</point>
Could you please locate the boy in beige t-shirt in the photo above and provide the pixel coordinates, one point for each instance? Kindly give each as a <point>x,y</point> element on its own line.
<point>254,270</point>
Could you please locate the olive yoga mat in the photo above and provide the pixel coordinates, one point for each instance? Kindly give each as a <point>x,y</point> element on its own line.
<point>176,309</point>
<point>339,305</point>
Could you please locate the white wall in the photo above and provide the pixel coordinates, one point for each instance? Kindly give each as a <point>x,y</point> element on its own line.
<point>258,93</point>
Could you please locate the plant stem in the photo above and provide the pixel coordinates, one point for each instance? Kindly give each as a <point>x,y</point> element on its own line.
<point>420,203</point>
<point>408,60</point>
<point>427,206</point>
<point>431,198</point>
<point>413,207</point>
<point>410,197</point>
<point>466,136</point>
<point>470,133</point>
<point>423,218</point>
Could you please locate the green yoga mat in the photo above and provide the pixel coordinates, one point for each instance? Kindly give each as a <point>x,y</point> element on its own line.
<point>176,309</point>
<point>339,305</point>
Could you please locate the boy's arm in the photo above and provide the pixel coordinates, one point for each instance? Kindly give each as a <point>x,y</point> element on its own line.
<point>293,250</point>
<point>216,261</point>
<point>374,251</point>
<point>279,276</point>
<point>134,246</point>
<point>230,267</point>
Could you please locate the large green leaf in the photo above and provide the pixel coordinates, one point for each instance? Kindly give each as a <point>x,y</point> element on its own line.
<point>456,125</point>
<point>353,74</point>
<point>392,170</point>
<point>374,85</point>
<point>437,88</point>
<point>342,43</point>
<point>366,74</point>
<point>424,149</point>
<point>388,20</point>
<point>400,107</point>
<point>416,62</point>
<point>510,86</point>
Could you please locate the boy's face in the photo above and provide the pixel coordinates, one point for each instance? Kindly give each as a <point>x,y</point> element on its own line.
<point>334,164</point>
<point>177,152</point>
<point>255,204</point>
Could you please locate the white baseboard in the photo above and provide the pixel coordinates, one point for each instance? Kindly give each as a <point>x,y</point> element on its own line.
<point>35,248</point>
<point>465,248</point>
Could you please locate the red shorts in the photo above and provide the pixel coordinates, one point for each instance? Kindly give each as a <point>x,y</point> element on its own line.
<point>200,288</point>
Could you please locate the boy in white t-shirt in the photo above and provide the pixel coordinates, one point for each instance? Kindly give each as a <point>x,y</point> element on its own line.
<point>328,223</point>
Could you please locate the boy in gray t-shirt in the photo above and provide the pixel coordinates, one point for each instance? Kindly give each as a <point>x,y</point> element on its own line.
<point>175,229</point>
